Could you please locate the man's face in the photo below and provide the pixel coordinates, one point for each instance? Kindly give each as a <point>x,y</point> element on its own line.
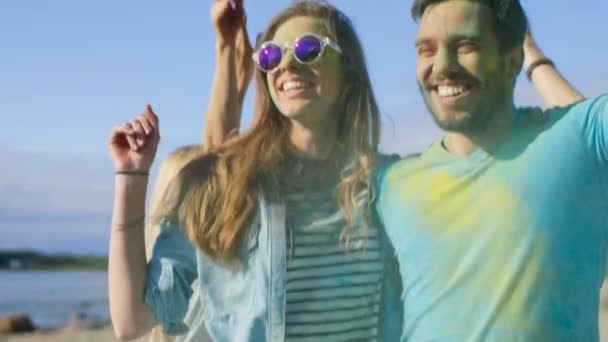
<point>462,74</point>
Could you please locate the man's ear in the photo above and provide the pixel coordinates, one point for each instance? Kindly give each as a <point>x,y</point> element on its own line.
<point>516,61</point>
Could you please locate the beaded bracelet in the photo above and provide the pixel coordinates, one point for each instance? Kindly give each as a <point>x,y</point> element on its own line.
<point>136,173</point>
<point>117,227</point>
<point>534,65</point>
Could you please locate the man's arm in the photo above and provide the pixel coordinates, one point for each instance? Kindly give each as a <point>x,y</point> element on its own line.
<point>552,87</point>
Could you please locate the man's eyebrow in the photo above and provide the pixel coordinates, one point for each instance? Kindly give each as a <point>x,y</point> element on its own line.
<point>460,37</point>
<point>423,41</point>
<point>454,38</point>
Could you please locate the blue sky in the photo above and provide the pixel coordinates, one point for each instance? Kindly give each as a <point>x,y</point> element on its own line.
<point>71,70</point>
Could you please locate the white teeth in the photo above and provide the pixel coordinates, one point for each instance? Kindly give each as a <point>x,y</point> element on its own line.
<point>450,90</point>
<point>290,85</point>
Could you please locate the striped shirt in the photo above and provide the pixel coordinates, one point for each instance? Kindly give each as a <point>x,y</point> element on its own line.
<point>333,289</point>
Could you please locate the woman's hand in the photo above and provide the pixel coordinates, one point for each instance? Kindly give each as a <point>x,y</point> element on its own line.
<point>133,145</point>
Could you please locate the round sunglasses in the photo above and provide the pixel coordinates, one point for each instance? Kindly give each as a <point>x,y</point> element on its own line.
<point>307,49</point>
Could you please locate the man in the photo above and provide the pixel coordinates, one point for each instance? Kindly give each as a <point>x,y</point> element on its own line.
<point>500,228</point>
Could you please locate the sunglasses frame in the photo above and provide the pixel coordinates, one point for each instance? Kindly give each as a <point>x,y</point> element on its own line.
<point>324,40</point>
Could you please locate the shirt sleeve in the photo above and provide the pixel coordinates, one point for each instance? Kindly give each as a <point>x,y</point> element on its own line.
<point>595,127</point>
<point>171,272</point>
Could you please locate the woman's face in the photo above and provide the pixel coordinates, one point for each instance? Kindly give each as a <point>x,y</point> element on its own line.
<point>306,93</point>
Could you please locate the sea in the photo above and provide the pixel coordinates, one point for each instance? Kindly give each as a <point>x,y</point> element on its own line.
<point>53,299</point>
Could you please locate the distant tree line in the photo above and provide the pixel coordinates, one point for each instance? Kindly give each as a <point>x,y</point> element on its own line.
<point>30,260</point>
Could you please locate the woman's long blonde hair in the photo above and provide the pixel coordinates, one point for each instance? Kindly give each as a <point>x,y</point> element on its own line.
<point>216,195</point>
<point>169,169</point>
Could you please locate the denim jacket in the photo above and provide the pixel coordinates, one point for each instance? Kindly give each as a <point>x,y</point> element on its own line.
<point>244,304</point>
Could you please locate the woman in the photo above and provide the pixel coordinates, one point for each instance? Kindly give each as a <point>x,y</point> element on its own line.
<point>280,217</point>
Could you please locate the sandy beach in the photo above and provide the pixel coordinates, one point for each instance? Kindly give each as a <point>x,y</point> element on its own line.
<point>95,335</point>
<point>104,334</point>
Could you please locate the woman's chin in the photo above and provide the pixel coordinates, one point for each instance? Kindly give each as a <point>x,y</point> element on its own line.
<point>300,110</point>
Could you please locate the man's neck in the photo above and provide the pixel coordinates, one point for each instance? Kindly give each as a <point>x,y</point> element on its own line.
<point>464,144</point>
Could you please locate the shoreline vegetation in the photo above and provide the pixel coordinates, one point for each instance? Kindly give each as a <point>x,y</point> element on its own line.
<point>27,260</point>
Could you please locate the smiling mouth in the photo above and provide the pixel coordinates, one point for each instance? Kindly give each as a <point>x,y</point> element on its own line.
<point>292,86</point>
<point>296,89</point>
<point>452,91</point>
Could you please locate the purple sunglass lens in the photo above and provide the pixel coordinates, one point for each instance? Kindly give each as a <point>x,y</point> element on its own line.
<point>270,56</point>
<point>307,48</point>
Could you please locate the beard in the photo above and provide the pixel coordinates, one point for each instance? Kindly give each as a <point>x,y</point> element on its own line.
<point>492,97</point>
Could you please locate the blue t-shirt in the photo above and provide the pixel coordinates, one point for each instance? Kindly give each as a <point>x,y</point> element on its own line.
<point>508,245</point>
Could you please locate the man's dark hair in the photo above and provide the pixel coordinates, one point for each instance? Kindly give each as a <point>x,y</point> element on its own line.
<point>508,17</point>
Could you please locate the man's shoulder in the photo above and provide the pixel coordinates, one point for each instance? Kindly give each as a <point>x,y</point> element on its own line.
<point>594,101</point>
<point>588,108</point>
<point>579,110</point>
